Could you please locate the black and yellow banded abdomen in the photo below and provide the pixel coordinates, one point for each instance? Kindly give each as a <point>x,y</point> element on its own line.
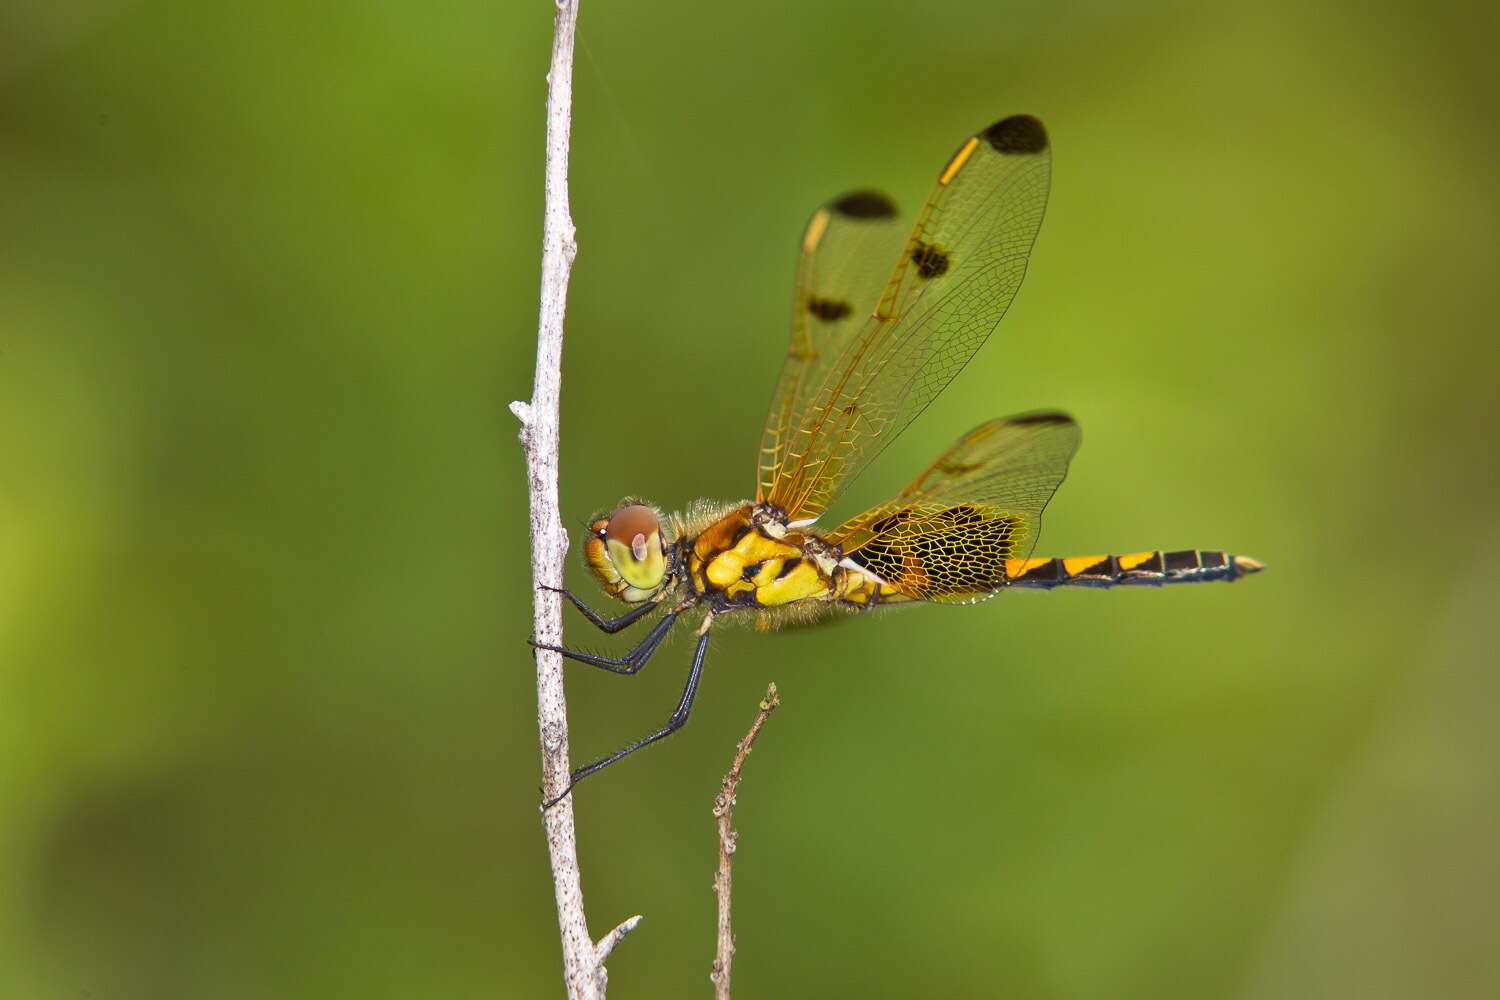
<point>1148,568</point>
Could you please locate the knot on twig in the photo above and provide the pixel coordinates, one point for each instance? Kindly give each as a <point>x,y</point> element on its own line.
<point>554,735</point>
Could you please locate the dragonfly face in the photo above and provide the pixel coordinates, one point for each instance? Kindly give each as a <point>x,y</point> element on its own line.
<point>884,318</point>
<point>627,551</point>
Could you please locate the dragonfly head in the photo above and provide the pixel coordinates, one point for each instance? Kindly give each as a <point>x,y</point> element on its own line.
<point>627,551</point>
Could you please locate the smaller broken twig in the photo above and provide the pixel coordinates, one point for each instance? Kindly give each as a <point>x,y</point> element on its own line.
<point>723,809</point>
<point>607,942</point>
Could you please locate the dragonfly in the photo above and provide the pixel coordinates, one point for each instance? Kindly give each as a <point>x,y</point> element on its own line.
<point>873,343</point>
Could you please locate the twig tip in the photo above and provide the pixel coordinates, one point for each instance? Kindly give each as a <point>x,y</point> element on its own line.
<point>607,942</point>
<point>772,698</point>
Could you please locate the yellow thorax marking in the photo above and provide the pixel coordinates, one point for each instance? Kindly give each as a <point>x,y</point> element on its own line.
<point>768,572</point>
<point>860,588</point>
<point>802,582</point>
<point>729,566</point>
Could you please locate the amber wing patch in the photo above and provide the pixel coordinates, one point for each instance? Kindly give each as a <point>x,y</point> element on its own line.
<point>948,534</point>
<point>934,553</point>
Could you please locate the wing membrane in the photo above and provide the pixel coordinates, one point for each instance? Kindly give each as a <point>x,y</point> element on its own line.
<point>955,277</point>
<point>844,262</point>
<point>947,535</point>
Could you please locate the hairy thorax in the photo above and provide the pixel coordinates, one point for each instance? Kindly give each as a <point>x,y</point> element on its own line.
<point>748,557</point>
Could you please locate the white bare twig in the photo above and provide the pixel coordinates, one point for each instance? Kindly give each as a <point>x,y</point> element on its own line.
<point>607,942</point>
<point>583,961</point>
<point>723,812</point>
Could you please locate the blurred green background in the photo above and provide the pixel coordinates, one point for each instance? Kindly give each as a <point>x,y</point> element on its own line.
<point>268,279</point>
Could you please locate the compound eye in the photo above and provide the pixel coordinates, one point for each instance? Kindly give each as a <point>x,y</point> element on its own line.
<point>633,526</point>
<point>633,539</point>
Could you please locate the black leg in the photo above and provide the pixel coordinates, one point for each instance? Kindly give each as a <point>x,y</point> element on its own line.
<point>610,625</point>
<point>631,662</point>
<point>677,721</point>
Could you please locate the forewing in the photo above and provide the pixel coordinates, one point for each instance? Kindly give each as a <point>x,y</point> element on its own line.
<point>956,275</point>
<point>845,259</point>
<point>946,537</point>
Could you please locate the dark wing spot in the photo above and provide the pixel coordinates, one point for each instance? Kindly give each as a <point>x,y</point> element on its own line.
<point>828,310</point>
<point>865,205</point>
<point>1041,417</point>
<point>1017,134</point>
<point>892,519</point>
<point>931,260</point>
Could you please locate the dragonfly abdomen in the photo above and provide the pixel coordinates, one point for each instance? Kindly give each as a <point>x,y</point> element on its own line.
<point>1139,568</point>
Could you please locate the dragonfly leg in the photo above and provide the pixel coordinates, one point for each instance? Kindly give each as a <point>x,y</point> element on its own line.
<point>610,625</point>
<point>677,720</point>
<point>631,662</point>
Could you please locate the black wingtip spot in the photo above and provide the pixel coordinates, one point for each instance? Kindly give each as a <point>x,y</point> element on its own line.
<point>1043,417</point>
<point>1017,134</point>
<point>865,205</point>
